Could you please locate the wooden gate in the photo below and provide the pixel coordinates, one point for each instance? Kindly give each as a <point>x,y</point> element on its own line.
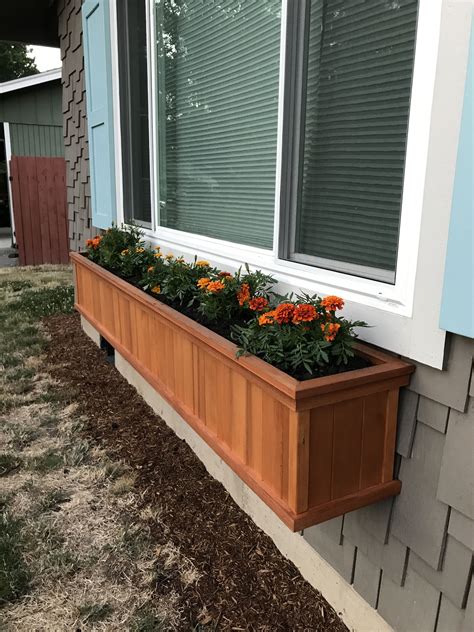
<point>39,209</point>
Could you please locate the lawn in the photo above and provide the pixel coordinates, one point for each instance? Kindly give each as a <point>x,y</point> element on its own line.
<point>99,529</point>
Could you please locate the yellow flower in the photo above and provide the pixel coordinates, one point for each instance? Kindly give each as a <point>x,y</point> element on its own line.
<point>139,249</point>
<point>202,263</point>
<point>156,289</point>
<point>157,255</point>
<point>169,256</point>
<point>124,252</point>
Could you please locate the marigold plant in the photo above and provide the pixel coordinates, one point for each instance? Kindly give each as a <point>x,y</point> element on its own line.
<point>303,337</point>
<point>232,298</point>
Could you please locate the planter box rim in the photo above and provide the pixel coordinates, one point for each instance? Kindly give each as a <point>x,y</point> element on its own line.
<point>384,366</point>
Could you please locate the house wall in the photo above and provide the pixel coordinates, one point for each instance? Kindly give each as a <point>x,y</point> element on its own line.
<point>35,118</point>
<point>36,140</point>
<point>75,124</point>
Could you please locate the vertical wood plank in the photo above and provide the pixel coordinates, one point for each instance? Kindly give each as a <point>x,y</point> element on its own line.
<point>44,179</point>
<point>347,446</point>
<point>298,469</point>
<point>321,455</point>
<point>29,199</point>
<point>224,401</point>
<point>275,436</point>
<point>255,429</point>
<point>240,415</point>
<point>17,208</point>
<point>211,386</point>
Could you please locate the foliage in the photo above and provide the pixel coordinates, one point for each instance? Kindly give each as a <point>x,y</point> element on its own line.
<point>108,249</point>
<point>175,278</point>
<point>233,298</point>
<point>14,575</point>
<point>15,61</point>
<point>303,337</point>
<point>45,302</point>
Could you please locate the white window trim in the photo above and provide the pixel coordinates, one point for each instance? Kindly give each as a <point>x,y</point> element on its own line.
<point>388,308</point>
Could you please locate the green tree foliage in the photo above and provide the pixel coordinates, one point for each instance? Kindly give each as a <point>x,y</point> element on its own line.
<point>15,61</point>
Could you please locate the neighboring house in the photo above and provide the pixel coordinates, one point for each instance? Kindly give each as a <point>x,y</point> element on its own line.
<point>329,143</point>
<point>32,134</point>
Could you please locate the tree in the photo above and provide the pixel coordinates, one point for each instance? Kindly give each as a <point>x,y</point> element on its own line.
<point>15,61</point>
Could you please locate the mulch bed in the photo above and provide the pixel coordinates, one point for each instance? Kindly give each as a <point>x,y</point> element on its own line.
<point>245,584</point>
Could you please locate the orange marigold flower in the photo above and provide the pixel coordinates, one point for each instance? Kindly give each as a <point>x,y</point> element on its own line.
<point>150,268</point>
<point>203,283</point>
<point>124,252</point>
<point>139,250</point>
<point>224,274</point>
<point>202,263</point>
<point>243,294</point>
<point>157,255</point>
<point>258,303</point>
<point>284,313</point>
<point>304,313</point>
<point>215,286</point>
<point>331,303</point>
<point>266,319</point>
<point>169,256</point>
<point>94,242</point>
<point>156,289</point>
<point>157,248</point>
<point>330,331</point>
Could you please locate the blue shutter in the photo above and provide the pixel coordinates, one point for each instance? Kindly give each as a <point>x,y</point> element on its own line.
<point>99,98</point>
<point>457,307</point>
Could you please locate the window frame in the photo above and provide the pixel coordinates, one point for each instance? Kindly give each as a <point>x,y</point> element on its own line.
<point>388,307</point>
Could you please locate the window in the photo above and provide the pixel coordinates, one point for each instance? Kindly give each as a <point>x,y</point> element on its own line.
<point>349,80</point>
<point>132,50</point>
<point>217,110</point>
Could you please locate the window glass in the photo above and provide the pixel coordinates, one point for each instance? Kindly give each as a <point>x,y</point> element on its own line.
<point>131,17</point>
<point>217,99</point>
<point>359,64</point>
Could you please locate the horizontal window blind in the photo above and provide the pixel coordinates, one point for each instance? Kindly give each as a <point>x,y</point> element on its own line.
<point>218,72</point>
<point>358,83</point>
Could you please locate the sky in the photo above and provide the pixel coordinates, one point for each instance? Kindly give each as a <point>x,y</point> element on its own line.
<point>46,57</point>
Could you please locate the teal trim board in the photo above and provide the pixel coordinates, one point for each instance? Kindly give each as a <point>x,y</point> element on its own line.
<point>99,97</point>
<point>457,307</point>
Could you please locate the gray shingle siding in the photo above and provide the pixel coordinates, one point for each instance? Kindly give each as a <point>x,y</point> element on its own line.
<point>75,124</point>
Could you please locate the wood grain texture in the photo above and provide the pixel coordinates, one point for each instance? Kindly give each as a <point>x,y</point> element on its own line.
<point>309,458</point>
<point>39,209</point>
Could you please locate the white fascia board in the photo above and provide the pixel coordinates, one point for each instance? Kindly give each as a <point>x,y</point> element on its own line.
<point>32,80</point>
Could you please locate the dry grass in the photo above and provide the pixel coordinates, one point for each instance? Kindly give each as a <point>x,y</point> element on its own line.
<point>75,550</point>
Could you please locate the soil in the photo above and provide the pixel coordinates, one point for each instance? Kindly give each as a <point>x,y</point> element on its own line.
<point>245,583</point>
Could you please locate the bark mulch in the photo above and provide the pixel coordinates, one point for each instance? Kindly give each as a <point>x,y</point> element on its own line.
<point>245,583</point>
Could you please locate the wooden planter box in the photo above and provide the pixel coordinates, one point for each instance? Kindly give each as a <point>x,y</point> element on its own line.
<point>311,450</point>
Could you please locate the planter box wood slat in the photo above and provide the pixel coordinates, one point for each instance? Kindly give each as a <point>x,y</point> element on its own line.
<point>311,450</point>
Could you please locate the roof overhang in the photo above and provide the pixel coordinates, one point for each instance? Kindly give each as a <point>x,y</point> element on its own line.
<point>29,22</point>
<point>32,80</point>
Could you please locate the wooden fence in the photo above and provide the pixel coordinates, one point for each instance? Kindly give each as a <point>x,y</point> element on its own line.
<point>39,209</point>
